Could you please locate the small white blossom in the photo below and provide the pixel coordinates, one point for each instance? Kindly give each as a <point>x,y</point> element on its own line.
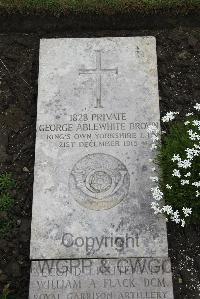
<point>153,146</point>
<point>152,129</point>
<point>187,174</point>
<point>185,182</point>
<point>190,114</point>
<point>154,138</point>
<point>197,184</point>
<point>192,152</point>
<point>187,211</point>
<point>176,158</point>
<point>167,209</point>
<point>197,106</point>
<point>186,122</point>
<point>157,194</point>
<point>184,164</point>
<point>153,169</point>
<point>197,146</point>
<point>169,116</point>
<point>193,135</point>
<point>154,204</point>
<point>196,123</point>
<point>176,173</point>
<point>197,193</point>
<point>154,178</point>
<point>176,213</point>
<point>155,207</point>
<point>176,217</point>
<point>168,186</point>
<point>182,222</point>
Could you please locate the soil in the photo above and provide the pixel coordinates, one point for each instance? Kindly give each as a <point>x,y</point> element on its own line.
<point>178,49</point>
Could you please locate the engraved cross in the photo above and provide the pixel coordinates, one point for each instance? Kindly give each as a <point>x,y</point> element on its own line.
<point>98,71</point>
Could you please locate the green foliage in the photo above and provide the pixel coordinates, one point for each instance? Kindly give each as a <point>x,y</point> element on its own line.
<point>6,202</point>
<point>100,6</point>
<point>175,142</point>
<point>6,292</point>
<point>5,227</point>
<point>6,182</point>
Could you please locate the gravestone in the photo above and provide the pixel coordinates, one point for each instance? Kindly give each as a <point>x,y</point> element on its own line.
<point>127,278</point>
<point>91,198</point>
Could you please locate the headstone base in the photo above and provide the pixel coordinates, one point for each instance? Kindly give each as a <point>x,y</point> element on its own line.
<point>126,278</point>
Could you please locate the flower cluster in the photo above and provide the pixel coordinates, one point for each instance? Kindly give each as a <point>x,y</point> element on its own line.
<point>169,116</point>
<point>182,171</point>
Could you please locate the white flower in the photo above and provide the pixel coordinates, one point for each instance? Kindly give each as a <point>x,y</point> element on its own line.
<point>169,116</point>
<point>197,184</point>
<point>176,217</point>
<point>153,146</point>
<point>185,182</point>
<point>187,174</point>
<point>152,129</point>
<point>167,209</point>
<point>168,186</point>
<point>153,169</point>
<point>186,122</point>
<point>157,194</point>
<point>187,211</point>
<point>154,138</point>
<point>196,123</point>
<point>191,152</point>
<point>154,178</point>
<point>182,222</point>
<point>176,158</point>
<point>189,114</point>
<point>197,106</point>
<point>193,135</point>
<point>177,220</point>
<point>197,146</point>
<point>176,214</point>
<point>155,207</point>
<point>176,173</point>
<point>197,193</point>
<point>184,164</point>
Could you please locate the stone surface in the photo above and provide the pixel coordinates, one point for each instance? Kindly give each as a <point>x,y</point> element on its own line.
<point>130,278</point>
<point>92,188</point>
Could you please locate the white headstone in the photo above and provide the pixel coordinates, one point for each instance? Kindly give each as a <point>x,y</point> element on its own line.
<point>92,188</point>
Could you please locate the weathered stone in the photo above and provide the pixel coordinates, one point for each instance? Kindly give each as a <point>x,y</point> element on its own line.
<point>92,188</point>
<point>129,278</point>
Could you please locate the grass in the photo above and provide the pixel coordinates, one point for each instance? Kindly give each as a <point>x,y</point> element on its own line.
<point>5,227</point>
<point>6,293</point>
<point>175,142</point>
<point>6,203</point>
<point>6,182</point>
<point>98,6</point>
